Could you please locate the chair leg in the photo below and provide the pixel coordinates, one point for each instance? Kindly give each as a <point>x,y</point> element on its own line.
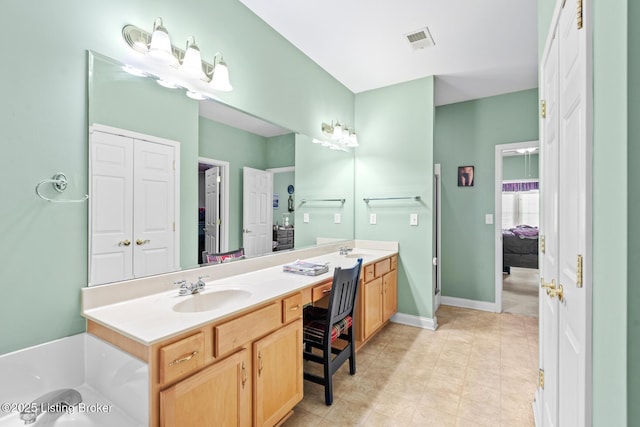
<point>328,378</point>
<point>352,362</point>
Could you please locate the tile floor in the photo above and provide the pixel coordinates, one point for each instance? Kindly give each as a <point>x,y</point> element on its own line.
<point>477,369</point>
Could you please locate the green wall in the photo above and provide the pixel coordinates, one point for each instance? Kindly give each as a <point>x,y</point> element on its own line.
<point>281,151</point>
<point>44,130</point>
<point>395,159</point>
<point>519,167</point>
<point>328,174</point>
<point>633,159</point>
<point>466,133</point>
<point>610,229</point>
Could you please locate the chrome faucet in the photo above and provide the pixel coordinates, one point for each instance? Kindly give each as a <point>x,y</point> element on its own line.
<point>345,250</point>
<point>54,401</point>
<point>190,288</point>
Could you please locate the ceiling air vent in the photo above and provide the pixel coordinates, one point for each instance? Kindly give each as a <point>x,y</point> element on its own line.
<point>420,39</point>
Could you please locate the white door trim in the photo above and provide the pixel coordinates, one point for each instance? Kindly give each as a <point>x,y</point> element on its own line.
<point>224,227</point>
<point>497,217</point>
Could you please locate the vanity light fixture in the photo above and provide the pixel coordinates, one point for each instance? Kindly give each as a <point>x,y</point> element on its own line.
<point>339,136</point>
<point>186,68</point>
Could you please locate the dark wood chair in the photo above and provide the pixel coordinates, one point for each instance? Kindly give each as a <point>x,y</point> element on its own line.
<point>322,327</point>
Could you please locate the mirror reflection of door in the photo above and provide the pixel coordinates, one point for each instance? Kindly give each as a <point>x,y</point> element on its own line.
<point>132,208</point>
<point>212,212</point>
<point>257,212</point>
<point>211,207</point>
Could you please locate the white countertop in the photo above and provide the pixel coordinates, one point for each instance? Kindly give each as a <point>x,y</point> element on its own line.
<point>152,318</point>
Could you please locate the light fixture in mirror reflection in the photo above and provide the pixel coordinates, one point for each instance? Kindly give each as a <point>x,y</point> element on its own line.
<point>339,137</point>
<point>173,67</point>
<point>206,131</point>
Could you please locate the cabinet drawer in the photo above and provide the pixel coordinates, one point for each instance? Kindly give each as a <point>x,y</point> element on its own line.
<point>368,273</point>
<point>181,357</point>
<point>291,308</point>
<point>394,262</point>
<point>383,267</point>
<point>321,291</point>
<point>236,332</point>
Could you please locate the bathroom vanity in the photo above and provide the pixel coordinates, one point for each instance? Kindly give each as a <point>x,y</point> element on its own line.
<point>232,354</point>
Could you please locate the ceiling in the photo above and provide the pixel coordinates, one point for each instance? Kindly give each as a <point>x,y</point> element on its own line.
<point>482,47</point>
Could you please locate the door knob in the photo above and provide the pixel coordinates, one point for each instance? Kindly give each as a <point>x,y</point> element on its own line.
<point>548,286</point>
<point>246,230</point>
<point>124,243</point>
<point>558,292</point>
<point>142,242</point>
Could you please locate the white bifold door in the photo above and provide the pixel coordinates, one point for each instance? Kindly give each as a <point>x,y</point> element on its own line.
<point>257,212</point>
<point>132,208</point>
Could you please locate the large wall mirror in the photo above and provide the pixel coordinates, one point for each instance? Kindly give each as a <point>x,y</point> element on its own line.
<point>171,177</point>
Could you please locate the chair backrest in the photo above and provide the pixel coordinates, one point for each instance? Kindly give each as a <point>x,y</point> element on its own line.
<point>342,299</point>
<point>222,257</point>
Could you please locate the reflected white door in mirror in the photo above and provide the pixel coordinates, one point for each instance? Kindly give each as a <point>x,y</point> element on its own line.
<point>133,209</point>
<point>257,212</point>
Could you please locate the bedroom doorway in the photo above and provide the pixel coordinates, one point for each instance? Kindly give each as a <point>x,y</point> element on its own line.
<point>516,228</point>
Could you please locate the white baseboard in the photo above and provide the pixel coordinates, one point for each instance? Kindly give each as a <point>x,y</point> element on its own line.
<point>417,321</point>
<point>469,303</point>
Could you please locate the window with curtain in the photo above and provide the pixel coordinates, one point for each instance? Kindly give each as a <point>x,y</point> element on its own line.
<point>520,204</point>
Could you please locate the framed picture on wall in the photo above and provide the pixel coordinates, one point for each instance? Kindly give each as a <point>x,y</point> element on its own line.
<point>465,176</point>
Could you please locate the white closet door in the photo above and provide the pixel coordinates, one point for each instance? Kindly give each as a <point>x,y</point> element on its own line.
<point>257,211</point>
<point>154,209</point>
<point>111,204</point>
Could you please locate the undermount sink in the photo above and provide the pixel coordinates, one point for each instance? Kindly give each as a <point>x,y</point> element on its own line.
<point>212,300</point>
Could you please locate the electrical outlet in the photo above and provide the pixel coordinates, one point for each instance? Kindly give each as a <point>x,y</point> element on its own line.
<point>488,219</point>
<point>337,218</point>
<point>373,218</point>
<point>413,219</point>
<point>305,217</point>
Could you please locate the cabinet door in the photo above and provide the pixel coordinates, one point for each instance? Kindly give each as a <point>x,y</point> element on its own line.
<point>219,395</point>
<point>390,294</point>
<point>277,369</point>
<point>372,309</point>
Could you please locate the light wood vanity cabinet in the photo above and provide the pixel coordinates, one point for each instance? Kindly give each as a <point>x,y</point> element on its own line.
<point>378,297</point>
<point>219,395</point>
<point>277,370</point>
<point>247,369</point>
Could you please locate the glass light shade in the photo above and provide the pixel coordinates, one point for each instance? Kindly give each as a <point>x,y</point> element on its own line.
<point>220,77</point>
<point>160,47</point>
<point>192,62</point>
<point>337,131</point>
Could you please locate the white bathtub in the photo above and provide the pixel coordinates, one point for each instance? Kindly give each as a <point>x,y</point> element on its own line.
<point>113,384</point>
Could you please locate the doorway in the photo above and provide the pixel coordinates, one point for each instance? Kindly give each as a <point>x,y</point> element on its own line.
<point>516,229</point>
<point>213,206</point>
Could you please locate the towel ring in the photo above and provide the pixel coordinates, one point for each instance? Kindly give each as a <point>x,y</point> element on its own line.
<point>59,183</point>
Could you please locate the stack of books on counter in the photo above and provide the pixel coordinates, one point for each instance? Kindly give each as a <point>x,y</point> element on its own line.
<point>306,268</point>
